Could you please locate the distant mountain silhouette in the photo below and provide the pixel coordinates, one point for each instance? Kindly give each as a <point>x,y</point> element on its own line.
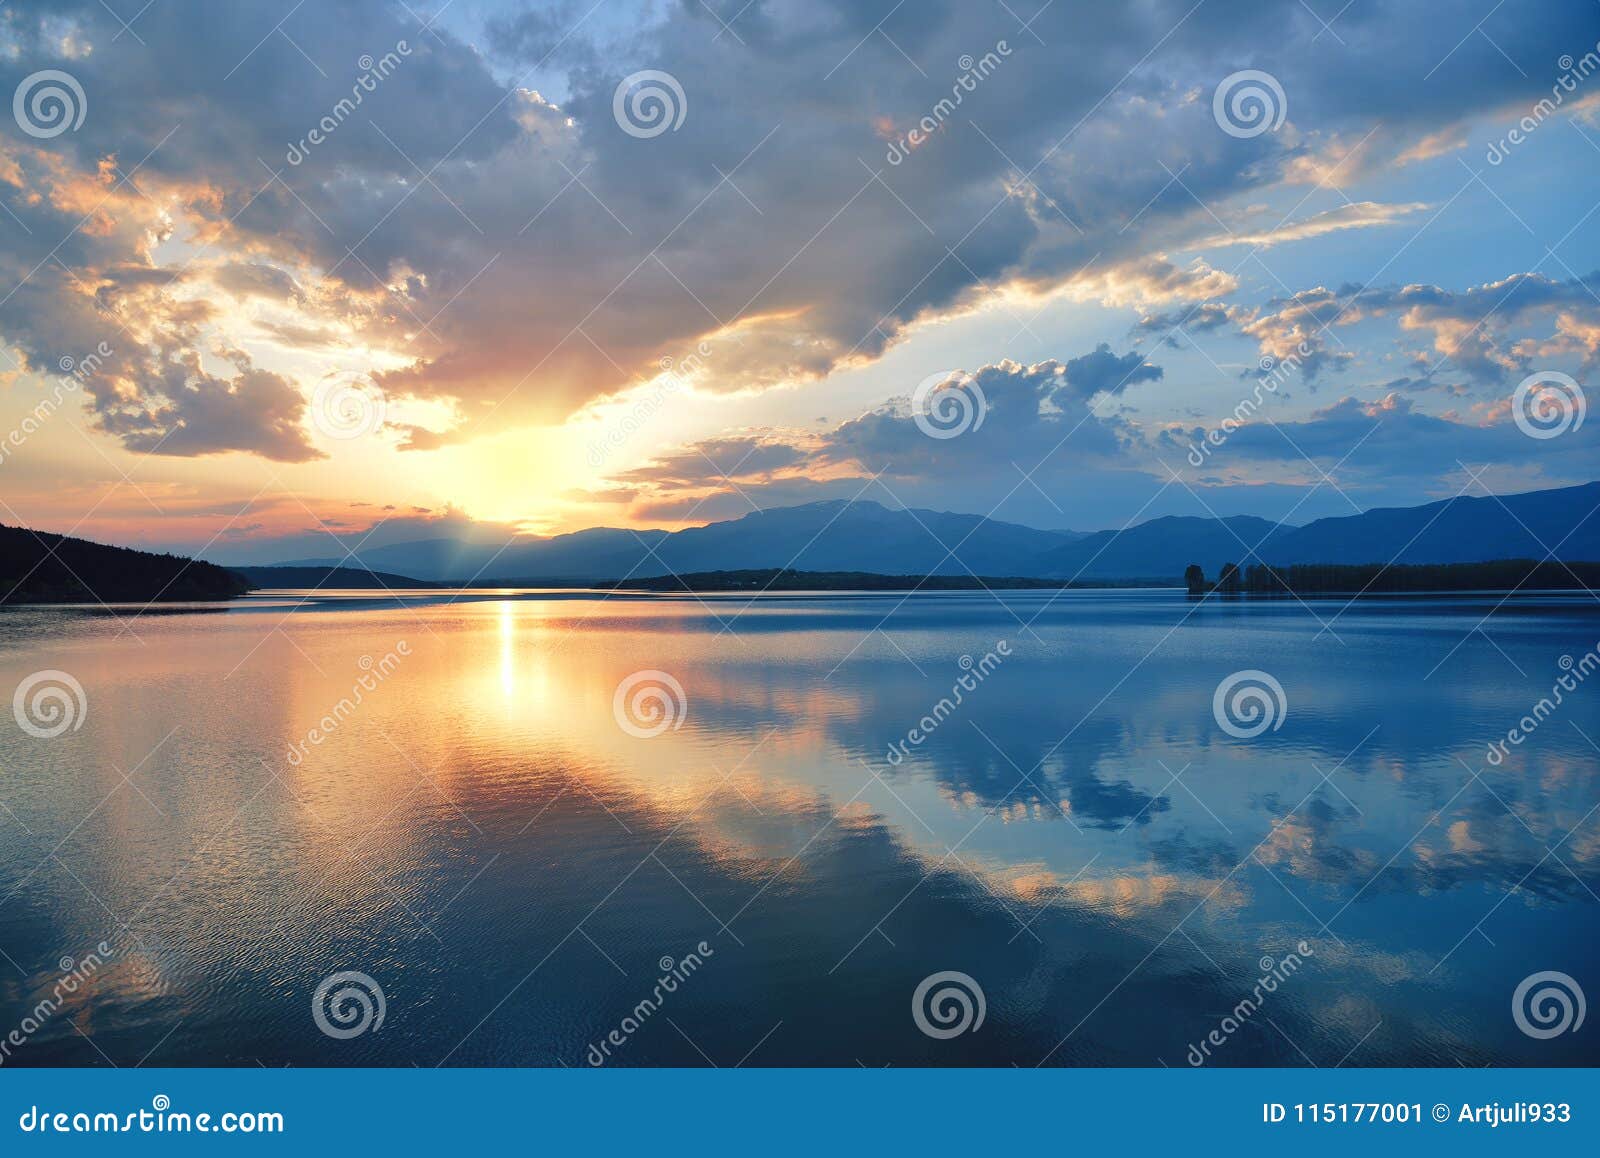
<point>825,536</point>
<point>325,578</point>
<point>36,567</point>
<point>774,579</point>
<point>868,537</point>
<point>1461,530</point>
<point>1158,549</point>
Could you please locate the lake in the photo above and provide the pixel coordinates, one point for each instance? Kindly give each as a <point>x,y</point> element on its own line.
<point>944,829</point>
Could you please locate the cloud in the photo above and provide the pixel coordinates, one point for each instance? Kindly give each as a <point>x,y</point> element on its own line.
<point>1375,441</point>
<point>414,437</point>
<point>1447,140</point>
<point>1151,281</point>
<point>1355,215</point>
<point>516,255</point>
<point>1101,370</point>
<point>1471,329</point>
<point>1202,316</point>
<point>253,279</point>
<point>1198,318</point>
<point>1034,416</point>
<point>301,337</point>
<point>719,460</point>
<point>199,413</point>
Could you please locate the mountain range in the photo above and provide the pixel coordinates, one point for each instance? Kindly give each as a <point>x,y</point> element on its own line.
<point>866,536</point>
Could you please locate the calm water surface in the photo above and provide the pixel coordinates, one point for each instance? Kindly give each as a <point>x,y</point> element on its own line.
<point>1079,835</point>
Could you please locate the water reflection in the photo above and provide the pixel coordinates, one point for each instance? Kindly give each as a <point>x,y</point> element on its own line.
<point>475,830</point>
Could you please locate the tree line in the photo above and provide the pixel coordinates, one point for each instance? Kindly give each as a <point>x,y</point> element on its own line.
<point>1339,578</point>
<point>36,567</point>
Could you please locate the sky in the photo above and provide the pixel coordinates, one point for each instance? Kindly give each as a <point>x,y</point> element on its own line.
<point>277,277</point>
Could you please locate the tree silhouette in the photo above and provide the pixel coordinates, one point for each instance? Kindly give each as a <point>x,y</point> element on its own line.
<point>1195,579</point>
<point>38,567</point>
<point>1379,578</point>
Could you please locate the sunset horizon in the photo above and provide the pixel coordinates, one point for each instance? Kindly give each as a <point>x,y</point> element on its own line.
<point>371,324</point>
<point>961,539</point>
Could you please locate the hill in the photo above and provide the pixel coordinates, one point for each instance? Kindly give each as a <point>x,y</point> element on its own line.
<point>325,578</point>
<point>1161,548</point>
<point>36,567</point>
<point>1458,530</point>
